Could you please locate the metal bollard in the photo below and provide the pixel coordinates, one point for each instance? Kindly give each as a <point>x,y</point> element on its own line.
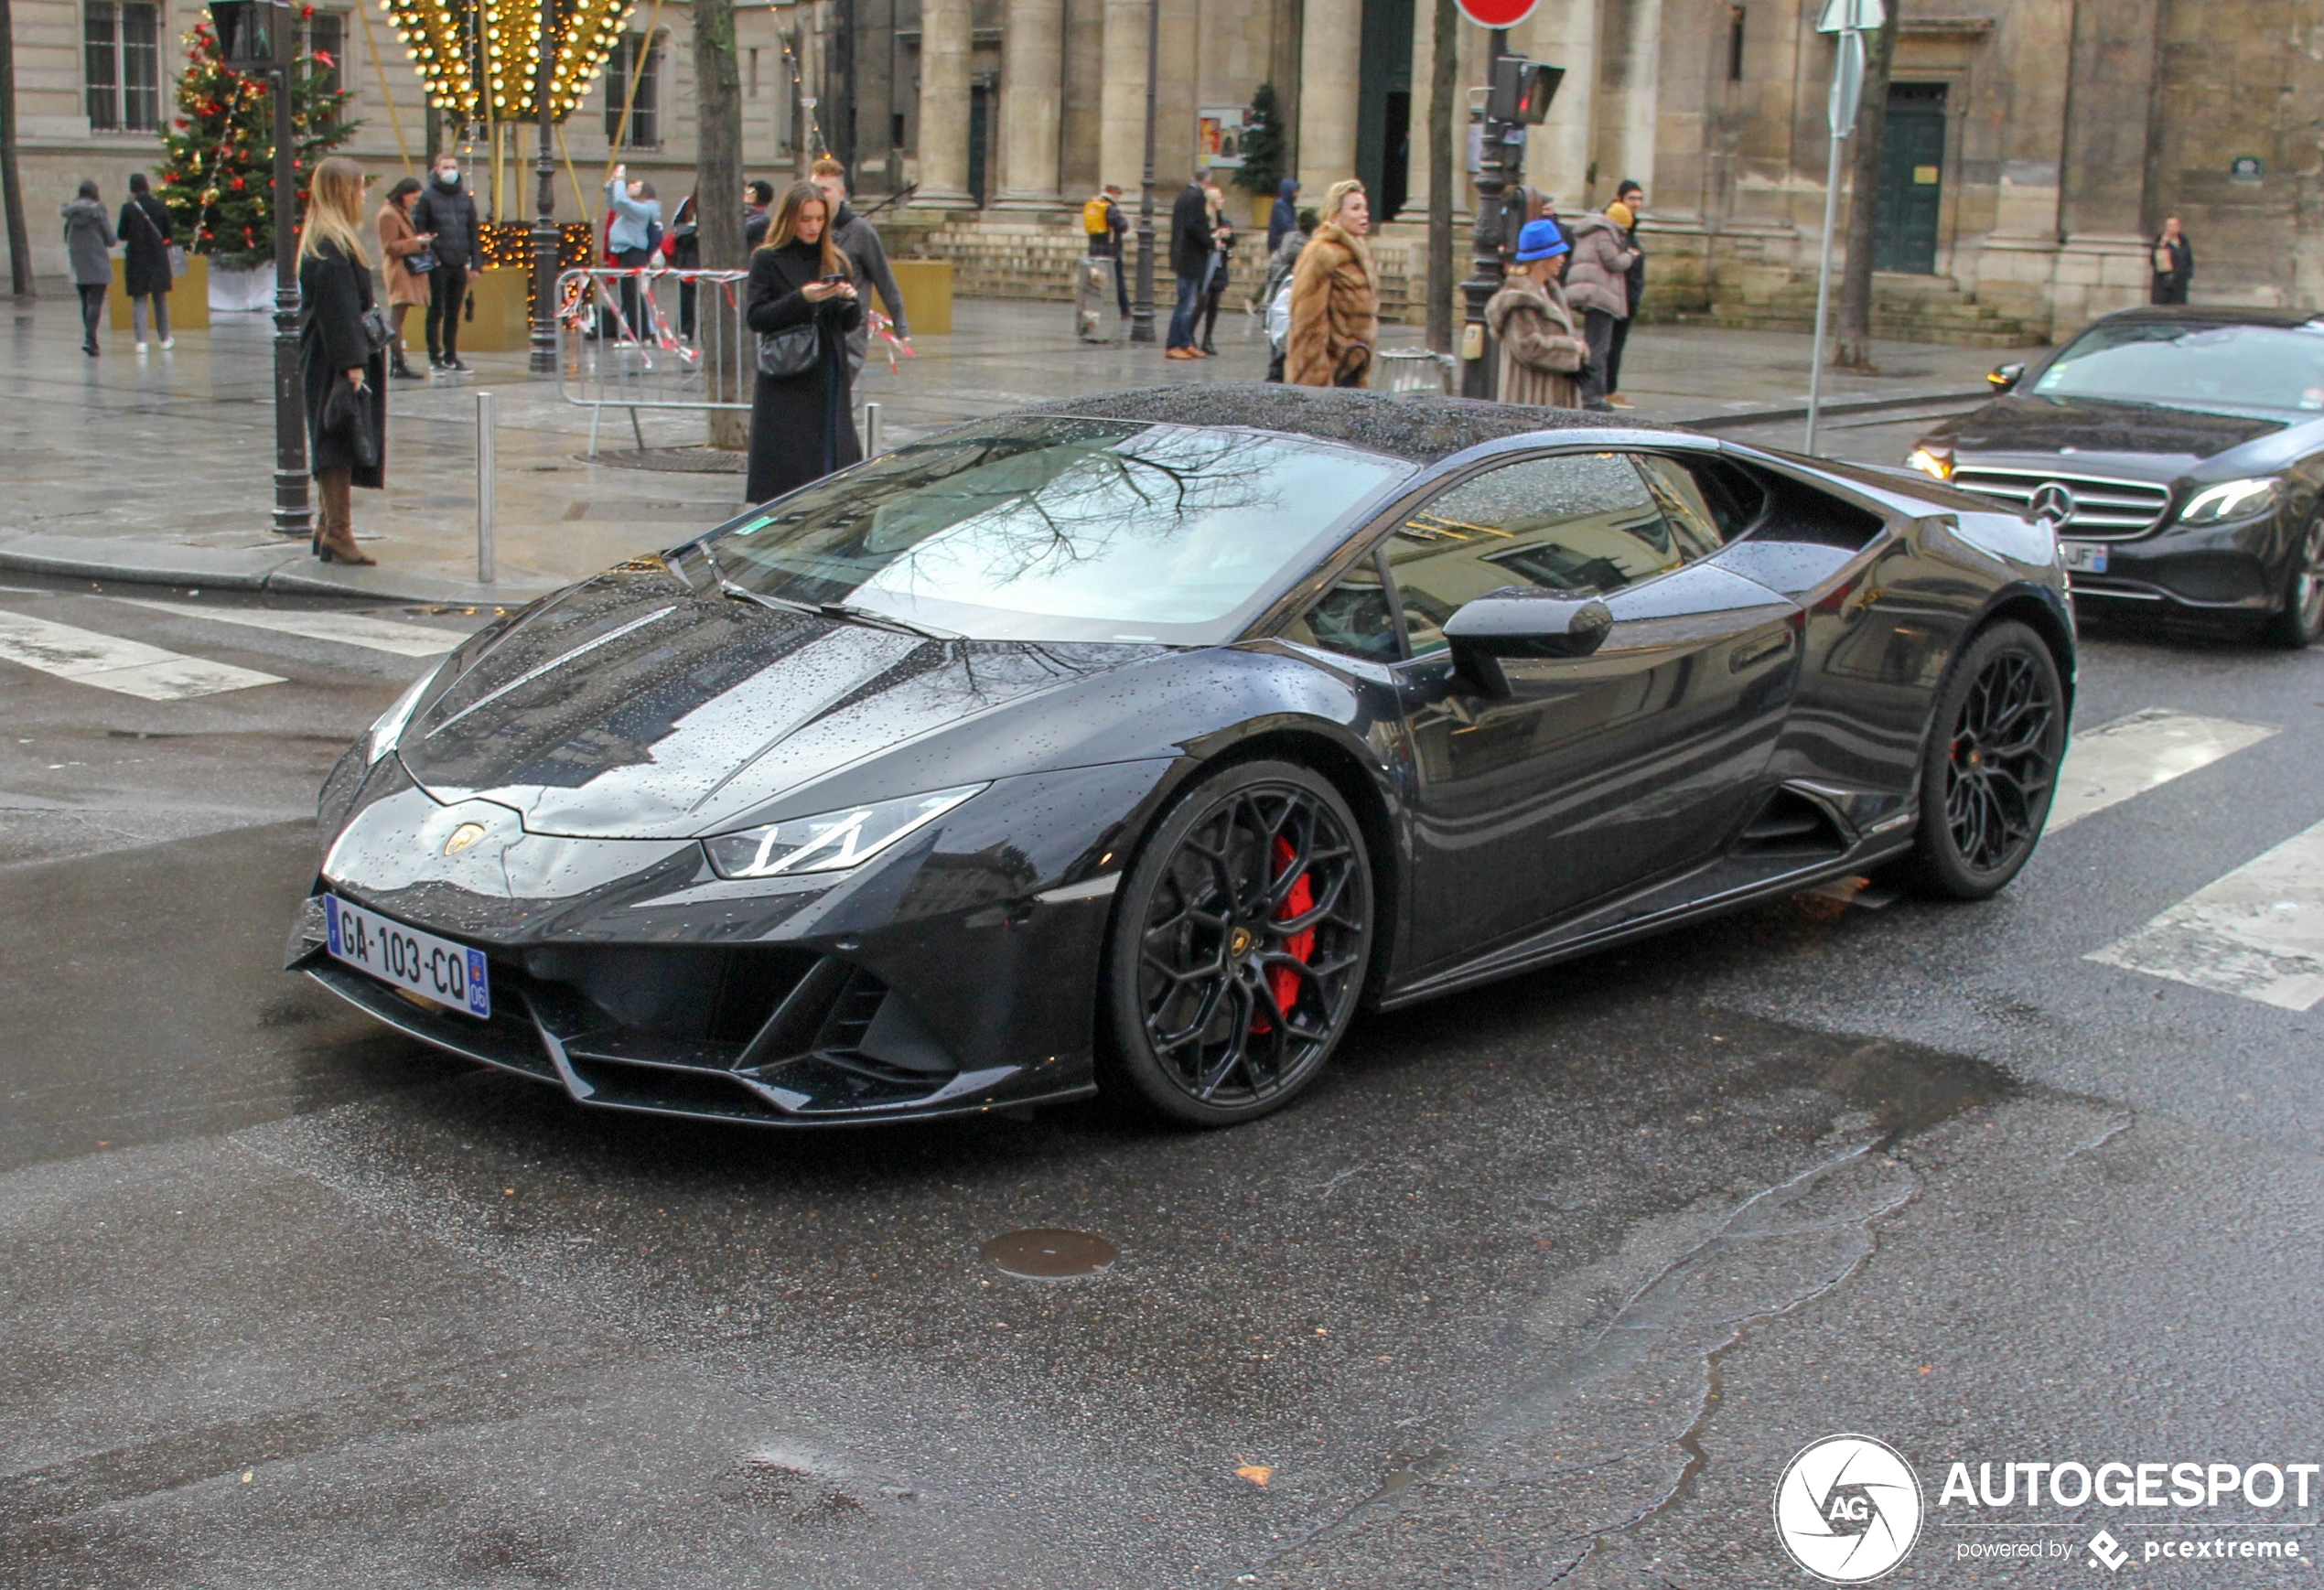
<point>871,430</point>
<point>484,488</point>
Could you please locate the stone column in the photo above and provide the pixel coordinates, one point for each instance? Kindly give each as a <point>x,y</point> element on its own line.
<point>2110,110</point>
<point>943,104</point>
<point>1032,96</point>
<point>1557,152</point>
<point>1331,64</point>
<point>1122,110</point>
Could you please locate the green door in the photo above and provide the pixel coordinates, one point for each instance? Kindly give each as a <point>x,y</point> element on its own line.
<point>1911,168</point>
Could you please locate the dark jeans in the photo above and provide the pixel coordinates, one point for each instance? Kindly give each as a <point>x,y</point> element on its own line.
<point>1210,300</point>
<point>633,325</point>
<point>1597,330</point>
<point>1614,346</point>
<point>1182,317</point>
<point>93,309</point>
<point>2168,289</point>
<point>447,287</point>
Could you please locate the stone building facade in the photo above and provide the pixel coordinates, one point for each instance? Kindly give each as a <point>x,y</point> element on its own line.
<point>2034,144</point>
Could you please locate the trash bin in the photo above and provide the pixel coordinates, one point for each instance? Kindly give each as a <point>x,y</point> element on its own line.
<point>1410,370</point>
<point>1093,300</point>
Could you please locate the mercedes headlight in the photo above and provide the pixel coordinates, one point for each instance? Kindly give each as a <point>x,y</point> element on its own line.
<point>1932,461</point>
<point>389,727</point>
<point>2232,500</point>
<point>831,842</point>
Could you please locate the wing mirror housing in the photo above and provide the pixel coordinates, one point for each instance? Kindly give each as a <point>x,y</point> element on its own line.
<point>2005,377</point>
<point>1515,622</point>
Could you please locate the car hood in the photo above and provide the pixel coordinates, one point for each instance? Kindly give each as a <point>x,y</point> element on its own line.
<point>2045,425</point>
<point>638,706</point>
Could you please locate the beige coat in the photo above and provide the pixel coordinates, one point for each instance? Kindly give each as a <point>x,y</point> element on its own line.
<point>1335,312</point>
<point>399,237</point>
<point>1597,275</point>
<point>1540,353</point>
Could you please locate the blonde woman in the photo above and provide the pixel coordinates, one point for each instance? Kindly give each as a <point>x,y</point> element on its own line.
<point>801,301</point>
<point>1334,297</point>
<point>344,376</point>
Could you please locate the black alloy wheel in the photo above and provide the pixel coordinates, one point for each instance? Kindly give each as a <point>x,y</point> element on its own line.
<point>1991,767</point>
<point>1239,946</point>
<point>2301,621</point>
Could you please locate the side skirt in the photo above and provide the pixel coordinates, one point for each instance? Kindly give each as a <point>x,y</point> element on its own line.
<point>1726,884</point>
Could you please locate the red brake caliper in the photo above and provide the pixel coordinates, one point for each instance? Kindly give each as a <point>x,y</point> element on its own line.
<point>1282,983</point>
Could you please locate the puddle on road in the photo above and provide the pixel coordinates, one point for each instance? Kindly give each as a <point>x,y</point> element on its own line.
<point>1048,1254</point>
<point>1907,1088</point>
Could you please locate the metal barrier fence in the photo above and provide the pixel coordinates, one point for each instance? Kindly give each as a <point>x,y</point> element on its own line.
<point>653,338</point>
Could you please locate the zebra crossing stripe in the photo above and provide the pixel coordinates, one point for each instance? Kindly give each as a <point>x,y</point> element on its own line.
<point>345,628</point>
<point>2130,755</point>
<point>2257,932</point>
<point>124,667</point>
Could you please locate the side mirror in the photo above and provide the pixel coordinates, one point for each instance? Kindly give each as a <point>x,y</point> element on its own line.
<point>1515,622</point>
<point>2006,377</point>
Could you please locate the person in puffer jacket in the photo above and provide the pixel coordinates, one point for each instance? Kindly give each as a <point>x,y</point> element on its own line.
<point>1598,284</point>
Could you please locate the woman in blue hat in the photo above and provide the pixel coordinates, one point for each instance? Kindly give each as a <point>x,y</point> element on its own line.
<point>1542,356</point>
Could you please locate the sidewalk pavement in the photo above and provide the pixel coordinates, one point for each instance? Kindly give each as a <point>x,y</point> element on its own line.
<point>158,467</point>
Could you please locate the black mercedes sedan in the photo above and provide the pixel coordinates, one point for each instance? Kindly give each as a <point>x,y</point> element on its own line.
<point>1138,742</point>
<point>2177,453</point>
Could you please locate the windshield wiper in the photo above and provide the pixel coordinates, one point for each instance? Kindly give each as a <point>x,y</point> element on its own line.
<point>854,614</point>
<point>780,603</point>
<point>846,611</point>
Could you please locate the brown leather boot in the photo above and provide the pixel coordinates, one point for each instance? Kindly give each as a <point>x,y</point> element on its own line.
<point>339,543</point>
<point>335,534</point>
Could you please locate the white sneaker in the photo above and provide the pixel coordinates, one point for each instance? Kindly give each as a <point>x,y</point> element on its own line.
<point>167,343</point>
<point>141,348</point>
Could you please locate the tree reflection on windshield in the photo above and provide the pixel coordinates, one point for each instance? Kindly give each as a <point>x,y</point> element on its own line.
<point>1059,529</point>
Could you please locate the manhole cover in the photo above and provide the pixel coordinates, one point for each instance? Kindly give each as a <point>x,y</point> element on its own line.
<point>1047,1255</point>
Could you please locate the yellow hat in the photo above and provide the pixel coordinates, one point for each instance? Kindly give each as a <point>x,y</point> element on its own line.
<point>1620,214</point>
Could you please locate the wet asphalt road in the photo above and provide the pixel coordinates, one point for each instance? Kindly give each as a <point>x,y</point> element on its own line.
<point>1542,1284</point>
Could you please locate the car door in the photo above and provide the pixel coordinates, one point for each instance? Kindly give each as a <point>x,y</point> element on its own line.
<point>1597,773</point>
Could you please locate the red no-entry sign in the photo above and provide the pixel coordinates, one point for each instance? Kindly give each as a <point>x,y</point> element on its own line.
<point>1497,13</point>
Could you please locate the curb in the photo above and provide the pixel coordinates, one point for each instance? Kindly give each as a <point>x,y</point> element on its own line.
<point>1857,406</point>
<point>283,577</point>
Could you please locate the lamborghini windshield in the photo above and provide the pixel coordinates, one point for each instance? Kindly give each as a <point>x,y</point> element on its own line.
<point>1059,530</point>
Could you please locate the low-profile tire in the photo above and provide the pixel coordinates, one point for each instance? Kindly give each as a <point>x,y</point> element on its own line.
<point>1990,769</point>
<point>2301,621</point>
<point>1238,948</point>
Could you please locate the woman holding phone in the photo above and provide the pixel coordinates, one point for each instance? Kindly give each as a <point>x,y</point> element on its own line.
<point>801,301</point>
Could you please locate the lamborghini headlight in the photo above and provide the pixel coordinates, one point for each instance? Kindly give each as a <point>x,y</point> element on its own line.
<point>831,842</point>
<point>2232,500</point>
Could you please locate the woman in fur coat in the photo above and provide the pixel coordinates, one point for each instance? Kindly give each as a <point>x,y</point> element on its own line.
<point>1335,297</point>
<point>1541,356</point>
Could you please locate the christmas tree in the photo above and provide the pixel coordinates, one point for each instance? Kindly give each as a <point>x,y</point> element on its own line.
<point>218,166</point>
<point>1263,144</point>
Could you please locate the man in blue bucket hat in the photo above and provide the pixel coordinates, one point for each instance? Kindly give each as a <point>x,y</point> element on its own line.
<point>1542,357</point>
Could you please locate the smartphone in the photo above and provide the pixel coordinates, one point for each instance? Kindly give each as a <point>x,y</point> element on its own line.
<point>835,280</point>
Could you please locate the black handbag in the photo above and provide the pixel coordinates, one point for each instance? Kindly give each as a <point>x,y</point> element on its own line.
<point>347,414</point>
<point>420,262</point>
<point>377,333</point>
<point>794,350</point>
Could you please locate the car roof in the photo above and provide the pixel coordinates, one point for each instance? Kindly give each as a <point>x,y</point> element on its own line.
<point>1421,427</point>
<point>2213,315</point>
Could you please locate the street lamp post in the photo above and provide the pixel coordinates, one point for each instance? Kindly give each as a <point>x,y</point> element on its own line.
<point>544,222</point>
<point>1142,312</point>
<point>258,38</point>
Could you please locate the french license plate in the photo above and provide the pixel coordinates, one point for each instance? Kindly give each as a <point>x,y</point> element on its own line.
<point>450,974</point>
<point>2082,557</point>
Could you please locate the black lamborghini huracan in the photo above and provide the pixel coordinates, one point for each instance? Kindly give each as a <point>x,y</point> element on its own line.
<point>1136,742</point>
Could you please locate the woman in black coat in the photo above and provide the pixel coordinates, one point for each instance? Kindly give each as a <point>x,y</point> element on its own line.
<point>144,239</point>
<point>801,426</point>
<point>345,378</point>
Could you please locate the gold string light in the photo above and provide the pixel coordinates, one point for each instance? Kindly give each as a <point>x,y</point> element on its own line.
<point>482,61</point>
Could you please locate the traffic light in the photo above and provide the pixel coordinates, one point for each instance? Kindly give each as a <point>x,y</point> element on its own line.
<point>1523,89</point>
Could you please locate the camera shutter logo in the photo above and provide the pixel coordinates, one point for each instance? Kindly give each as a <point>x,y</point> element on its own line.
<point>2052,502</point>
<point>1848,1508</point>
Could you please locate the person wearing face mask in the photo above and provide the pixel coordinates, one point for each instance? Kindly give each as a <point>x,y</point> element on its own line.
<point>448,215</point>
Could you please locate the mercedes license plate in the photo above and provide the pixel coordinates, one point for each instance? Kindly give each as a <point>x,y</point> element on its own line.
<point>450,974</point>
<point>2082,557</point>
